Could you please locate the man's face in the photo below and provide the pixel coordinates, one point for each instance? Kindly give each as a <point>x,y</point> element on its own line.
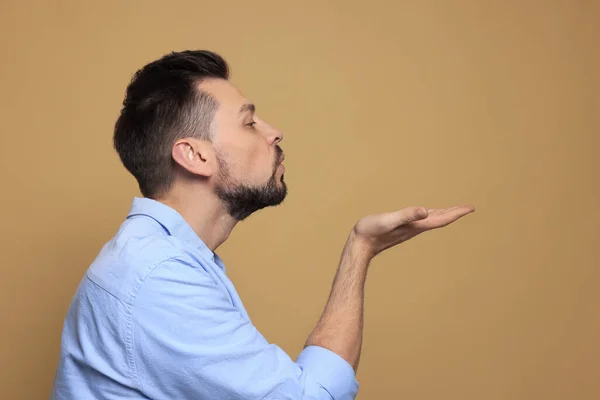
<point>250,175</point>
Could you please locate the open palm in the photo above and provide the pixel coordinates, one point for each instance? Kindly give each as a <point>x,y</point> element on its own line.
<point>385,230</point>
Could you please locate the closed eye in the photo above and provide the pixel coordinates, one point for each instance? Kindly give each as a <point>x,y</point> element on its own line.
<point>251,124</point>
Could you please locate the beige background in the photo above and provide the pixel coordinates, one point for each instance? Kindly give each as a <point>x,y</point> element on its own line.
<point>384,105</point>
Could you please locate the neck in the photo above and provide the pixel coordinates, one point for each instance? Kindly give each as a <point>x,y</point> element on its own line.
<point>208,218</point>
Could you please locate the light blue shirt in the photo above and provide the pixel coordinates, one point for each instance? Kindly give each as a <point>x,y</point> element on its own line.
<point>156,317</point>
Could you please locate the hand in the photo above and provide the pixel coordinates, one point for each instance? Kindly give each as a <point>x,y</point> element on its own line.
<point>379,232</point>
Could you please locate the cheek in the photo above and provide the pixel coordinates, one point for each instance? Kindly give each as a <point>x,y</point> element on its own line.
<point>262,163</point>
<point>256,153</point>
<point>248,156</point>
<point>253,162</point>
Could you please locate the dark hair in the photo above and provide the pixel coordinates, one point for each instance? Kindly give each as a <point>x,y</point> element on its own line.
<point>163,104</point>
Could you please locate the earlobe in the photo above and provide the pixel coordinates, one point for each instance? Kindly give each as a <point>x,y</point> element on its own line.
<point>194,156</point>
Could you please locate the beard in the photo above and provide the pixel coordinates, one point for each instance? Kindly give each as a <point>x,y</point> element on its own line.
<point>241,200</point>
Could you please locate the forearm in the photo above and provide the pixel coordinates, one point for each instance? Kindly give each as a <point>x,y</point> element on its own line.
<point>340,328</point>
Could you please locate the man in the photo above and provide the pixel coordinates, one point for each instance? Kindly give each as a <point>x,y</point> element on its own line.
<point>155,316</point>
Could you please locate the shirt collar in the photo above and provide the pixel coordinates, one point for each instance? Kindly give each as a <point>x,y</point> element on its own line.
<point>173,223</point>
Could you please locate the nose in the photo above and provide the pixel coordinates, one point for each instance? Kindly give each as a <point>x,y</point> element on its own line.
<point>274,135</point>
<point>277,136</point>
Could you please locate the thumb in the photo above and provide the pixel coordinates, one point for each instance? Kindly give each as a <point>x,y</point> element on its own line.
<point>411,214</point>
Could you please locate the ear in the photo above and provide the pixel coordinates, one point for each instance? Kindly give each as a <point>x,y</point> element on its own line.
<point>197,156</point>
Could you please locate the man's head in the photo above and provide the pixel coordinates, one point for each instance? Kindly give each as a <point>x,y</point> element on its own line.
<point>183,122</point>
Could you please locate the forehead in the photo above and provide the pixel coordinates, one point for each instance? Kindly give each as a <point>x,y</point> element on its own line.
<point>228,96</point>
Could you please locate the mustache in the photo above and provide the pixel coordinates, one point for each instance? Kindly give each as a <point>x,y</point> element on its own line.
<point>279,155</point>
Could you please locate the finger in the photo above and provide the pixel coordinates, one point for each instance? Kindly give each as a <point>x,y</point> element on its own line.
<point>453,216</point>
<point>450,209</point>
<point>410,214</point>
<point>460,210</point>
<point>444,217</point>
<point>435,211</point>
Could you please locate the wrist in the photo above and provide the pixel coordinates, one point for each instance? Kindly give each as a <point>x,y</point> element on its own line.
<point>359,248</point>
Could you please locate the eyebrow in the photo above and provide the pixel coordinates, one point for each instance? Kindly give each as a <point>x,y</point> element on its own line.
<point>247,107</point>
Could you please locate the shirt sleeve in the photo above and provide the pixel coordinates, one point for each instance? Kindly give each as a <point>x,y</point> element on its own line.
<point>190,342</point>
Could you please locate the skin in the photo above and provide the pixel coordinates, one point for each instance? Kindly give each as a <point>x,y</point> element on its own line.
<point>247,144</point>
<point>341,325</point>
<point>249,147</point>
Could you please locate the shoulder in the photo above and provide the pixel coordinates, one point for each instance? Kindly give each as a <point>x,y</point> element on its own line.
<point>130,256</point>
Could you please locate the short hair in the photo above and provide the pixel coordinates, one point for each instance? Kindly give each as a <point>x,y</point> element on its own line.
<point>163,104</point>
